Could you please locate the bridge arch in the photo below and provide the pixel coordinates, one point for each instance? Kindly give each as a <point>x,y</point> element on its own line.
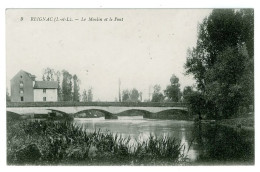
<point>138,110</point>
<point>94,109</point>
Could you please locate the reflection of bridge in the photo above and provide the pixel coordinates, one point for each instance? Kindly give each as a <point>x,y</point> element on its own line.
<point>105,107</point>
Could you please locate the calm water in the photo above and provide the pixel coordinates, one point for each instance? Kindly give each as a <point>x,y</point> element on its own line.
<point>208,144</point>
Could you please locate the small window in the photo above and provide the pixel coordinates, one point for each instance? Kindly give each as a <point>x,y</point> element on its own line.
<point>21,83</point>
<point>22,99</point>
<point>44,99</point>
<point>21,91</point>
<point>44,90</point>
<point>21,76</point>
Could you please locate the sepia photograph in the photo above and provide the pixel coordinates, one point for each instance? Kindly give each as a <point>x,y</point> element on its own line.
<point>130,87</point>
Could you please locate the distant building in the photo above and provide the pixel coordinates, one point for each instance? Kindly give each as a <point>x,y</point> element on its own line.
<point>24,88</point>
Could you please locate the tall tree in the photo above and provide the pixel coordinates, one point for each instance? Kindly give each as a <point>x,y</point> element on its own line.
<point>76,94</point>
<point>173,91</point>
<point>222,61</point>
<point>157,95</point>
<point>84,96</point>
<point>58,74</point>
<point>90,95</point>
<point>66,86</point>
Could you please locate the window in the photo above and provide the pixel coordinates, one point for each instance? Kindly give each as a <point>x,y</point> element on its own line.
<point>44,90</point>
<point>22,99</point>
<point>44,99</point>
<point>21,76</point>
<point>21,83</point>
<point>21,91</point>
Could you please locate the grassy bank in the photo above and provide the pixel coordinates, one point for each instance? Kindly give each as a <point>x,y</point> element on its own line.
<point>62,143</point>
<point>242,122</point>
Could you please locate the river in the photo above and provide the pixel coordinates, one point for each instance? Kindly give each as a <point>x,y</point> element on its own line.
<point>208,144</point>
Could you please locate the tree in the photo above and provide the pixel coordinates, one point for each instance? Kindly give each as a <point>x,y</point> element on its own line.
<point>131,96</point>
<point>134,95</point>
<point>187,92</point>
<point>157,95</point>
<point>48,74</point>
<point>84,96</point>
<point>173,90</point>
<point>76,94</point>
<point>196,103</point>
<point>59,85</point>
<point>222,61</point>
<point>125,95</point>
<point>66,86</point>
<point>90,95</point>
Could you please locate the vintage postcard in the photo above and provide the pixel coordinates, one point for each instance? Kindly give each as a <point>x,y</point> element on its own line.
<point>163,87</point>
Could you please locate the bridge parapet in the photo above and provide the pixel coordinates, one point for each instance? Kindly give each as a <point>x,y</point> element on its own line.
<point>69,104</point>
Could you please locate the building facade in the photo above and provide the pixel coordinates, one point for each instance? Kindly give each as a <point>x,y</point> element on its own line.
<point>24,88</point>
<point>45,91</point>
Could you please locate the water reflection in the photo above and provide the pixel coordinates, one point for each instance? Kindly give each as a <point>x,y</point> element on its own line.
<point>206,143</point>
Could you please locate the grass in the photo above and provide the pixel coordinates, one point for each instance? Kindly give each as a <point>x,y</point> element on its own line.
<point>242,122</point>
<point>63,143</point>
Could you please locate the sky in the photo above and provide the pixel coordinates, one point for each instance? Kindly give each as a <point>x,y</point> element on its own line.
<point>143,47</point>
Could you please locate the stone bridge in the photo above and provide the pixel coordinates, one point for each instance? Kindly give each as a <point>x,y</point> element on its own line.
<point>24,108</point>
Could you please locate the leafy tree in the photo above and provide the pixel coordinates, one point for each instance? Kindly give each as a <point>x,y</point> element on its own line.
<point>59,85</point>
<point>173,90</point>
<point>84,96</point>
<point>66,86</point>
<point>134,95</point>
<point>222,61</point>
<point>76,94</point>
<point>187,91</point>
<point>48,74</point>
<point>90,95</point>
<point>130,96</point>
<point>125,95</point>
<point>157,95</point>
<point>141,96</point>
<point>197,103</point>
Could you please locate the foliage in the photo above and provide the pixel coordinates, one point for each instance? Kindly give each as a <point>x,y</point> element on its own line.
<point>48,74</point>
<point>66,143</point>
<point>58,74</point>
<point>222,61</point>
<point>76,95</point>
<point>157,95</point>
<point>187,91</point>
<point>90,95</point>
<point>125,95</point>
<point>131,96</point>
<point>173,91</point>
<point>84,96</point>
<point>134,96</point>
<point>66,86</point>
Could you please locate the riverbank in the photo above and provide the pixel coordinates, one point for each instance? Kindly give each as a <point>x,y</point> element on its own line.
<point>63,143</point>
<point>246,123</point>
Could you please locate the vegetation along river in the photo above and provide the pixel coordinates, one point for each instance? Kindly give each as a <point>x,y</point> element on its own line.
<point>207,143</point>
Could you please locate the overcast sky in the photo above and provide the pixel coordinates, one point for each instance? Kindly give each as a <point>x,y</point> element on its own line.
<point>144,49</point>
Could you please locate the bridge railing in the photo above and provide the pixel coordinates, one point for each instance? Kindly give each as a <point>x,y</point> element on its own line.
<point>67,104</point>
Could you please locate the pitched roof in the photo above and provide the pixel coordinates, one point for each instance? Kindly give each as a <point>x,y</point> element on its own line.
<point>46,84</point>
<point>27,73</point>
<point>30,75</point>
